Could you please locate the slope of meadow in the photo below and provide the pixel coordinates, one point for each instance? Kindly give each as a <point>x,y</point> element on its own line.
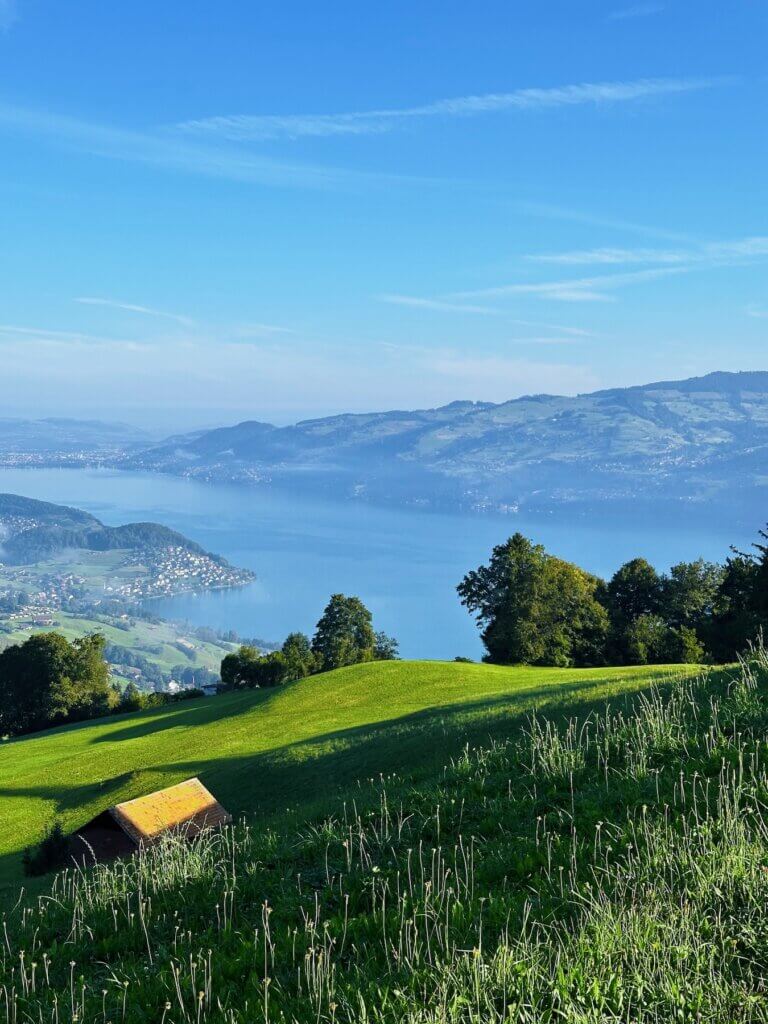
<point>611,868</point>
<point>265,750</point>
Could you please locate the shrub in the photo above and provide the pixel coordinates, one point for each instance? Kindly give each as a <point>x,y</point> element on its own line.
<point>50,854</point>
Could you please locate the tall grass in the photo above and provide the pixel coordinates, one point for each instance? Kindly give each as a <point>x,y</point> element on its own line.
<point>614,868</point>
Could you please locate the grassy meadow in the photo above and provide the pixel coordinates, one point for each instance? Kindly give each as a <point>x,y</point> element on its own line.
<point>607,868</point>
<point>295,745</point>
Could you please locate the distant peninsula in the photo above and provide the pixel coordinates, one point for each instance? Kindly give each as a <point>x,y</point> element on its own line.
<point>133,562</point>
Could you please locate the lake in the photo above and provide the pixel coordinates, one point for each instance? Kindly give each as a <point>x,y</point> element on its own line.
<point>404,564</point>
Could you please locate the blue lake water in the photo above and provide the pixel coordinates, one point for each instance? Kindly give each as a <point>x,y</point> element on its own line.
<point>404,564</point>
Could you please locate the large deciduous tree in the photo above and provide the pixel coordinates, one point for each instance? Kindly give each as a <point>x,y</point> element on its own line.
<point>534,608</point>
<point>48,680</point>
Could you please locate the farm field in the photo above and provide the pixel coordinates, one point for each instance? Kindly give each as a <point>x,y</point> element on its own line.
<point>162,643</point>
<point>257,750</point>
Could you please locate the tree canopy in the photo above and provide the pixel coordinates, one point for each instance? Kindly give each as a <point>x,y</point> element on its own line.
<point>534,608</point>
<point>48,680</point>
<point>344,635</point>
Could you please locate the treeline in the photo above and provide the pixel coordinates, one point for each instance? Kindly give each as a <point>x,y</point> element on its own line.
<point>45,539</point>
<point>49,681</point>
<point>343,636</point>
<point>536,609</point>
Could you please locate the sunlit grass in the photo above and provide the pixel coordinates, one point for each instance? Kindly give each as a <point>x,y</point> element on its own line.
<point>610,868</point>
<point>266,750</point>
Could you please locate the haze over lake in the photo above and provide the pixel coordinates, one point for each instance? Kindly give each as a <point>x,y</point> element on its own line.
<point>404,564</point>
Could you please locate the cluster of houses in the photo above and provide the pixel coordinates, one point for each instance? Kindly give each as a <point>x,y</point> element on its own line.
<point>174,570</point>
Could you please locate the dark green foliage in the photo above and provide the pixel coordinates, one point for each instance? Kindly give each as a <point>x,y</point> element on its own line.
<point>634,590</point>
<point>344,634</point>
<point>238,670</point>
<point>650,640</point>
<point>386,648</point>
<point>50,854</point>
<point>690,593</point>
<point>248,669</point>
<point>130,699</point>
<point>738,618</point>
<point>47,680</point>
<point>299,658</point>
<point>535,609</point>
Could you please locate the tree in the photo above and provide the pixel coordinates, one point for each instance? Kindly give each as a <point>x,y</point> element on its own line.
<point>534,608</point>
<point>634,592</point>
<point>47,680</point>
<point>386,648</point>
<point>650,640</point>
<point>738,617</point>
<point>130,699</point>
<point>344,634</point>
<point>238,669</point>
<point>271,669</point>
<point>635,589</point>
<point>689,594</point>
<point>247,669</point>
<point>300,660</point>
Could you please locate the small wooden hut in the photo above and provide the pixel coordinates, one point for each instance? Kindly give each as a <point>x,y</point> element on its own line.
<point>120,830</point>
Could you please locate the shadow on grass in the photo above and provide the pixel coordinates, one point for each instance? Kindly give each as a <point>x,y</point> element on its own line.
<point>204,711</point>
<point>309,777</point>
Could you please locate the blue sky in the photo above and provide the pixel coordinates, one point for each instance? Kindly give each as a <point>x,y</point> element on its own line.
<point>211,212</point>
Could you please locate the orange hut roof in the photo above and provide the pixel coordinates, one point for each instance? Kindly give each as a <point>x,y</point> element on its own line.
<point>188,806</point>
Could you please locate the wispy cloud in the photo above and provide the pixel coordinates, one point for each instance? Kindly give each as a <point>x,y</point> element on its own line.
<point>578,332</point>
<point>585,289</point>
<point>597,288</point>
<point>13,333</point>
<point>8,14</point>
<point>172,154</point>
<point>437,305</point>
<point>551,211</point>
<point>131,307</point>
<point>250,331</point>
<point>752,247</point>
<point>562,335</point>
<point>105,377</point>
<point>636,11</point>
<point>655,263</point>
<point>260,127</point>
<point>546,340</point>
<point>757,311</point>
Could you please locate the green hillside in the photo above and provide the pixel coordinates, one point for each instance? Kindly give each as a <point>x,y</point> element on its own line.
<point>162,643</point>
<point>265,750</point>
<point>606,869</point>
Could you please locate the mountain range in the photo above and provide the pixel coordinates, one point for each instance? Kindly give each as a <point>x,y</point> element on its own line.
<point>696,445</point>
<point>68,436</point>
<point>701,442</point>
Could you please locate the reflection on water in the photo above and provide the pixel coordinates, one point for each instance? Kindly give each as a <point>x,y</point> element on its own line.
<point>404,564</point>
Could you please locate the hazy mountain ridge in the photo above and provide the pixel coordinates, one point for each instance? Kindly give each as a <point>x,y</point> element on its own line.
<point>699,440</point>
<point>58,434</point>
